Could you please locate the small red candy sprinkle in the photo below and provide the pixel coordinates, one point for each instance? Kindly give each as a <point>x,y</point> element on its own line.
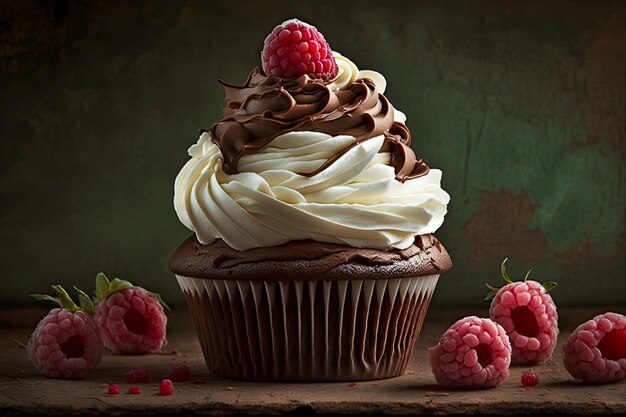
<point>113,390</point>
<point>180,373</point>
<point>166,387</point>
<point>134,390</point>
<point>529,378</point>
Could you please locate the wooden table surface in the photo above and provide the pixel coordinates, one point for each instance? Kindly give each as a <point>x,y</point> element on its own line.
<point>24,392</point>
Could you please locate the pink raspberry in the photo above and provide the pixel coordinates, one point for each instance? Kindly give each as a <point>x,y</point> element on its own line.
<point>596,351</point>
<point>295,48</point>
<point>66,343</point>
<point>473,353</point>
<point>180,373</point>
<point>528,314</point>
<point>134,391</point>
<point>130,318</point>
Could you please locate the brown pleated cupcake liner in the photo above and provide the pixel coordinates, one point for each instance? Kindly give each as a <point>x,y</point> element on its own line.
<point>344,330</point>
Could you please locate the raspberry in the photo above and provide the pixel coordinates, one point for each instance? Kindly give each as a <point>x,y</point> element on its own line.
<point>295,48</point>
<point>66,343</point>
<point>113,390</point>
<point>134,390</point>
<point>596,351</point>
<point>528,314</point>
<point>166,387</point>
<point>130,318</point>
<point>137,375</point>
<point>472,353</point>
<point>180,373</point>
<point>529,379</point>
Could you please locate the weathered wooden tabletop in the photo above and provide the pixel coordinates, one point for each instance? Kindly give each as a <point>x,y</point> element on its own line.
<point>24,392</point>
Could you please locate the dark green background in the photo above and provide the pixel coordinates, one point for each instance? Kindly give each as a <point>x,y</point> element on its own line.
<point>521,104</point>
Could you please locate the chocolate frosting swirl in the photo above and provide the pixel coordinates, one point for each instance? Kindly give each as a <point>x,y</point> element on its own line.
<point>265,107</point>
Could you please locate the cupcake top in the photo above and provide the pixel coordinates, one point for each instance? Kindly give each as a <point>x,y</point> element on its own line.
<point>307,260</point>
<point>310,149</point>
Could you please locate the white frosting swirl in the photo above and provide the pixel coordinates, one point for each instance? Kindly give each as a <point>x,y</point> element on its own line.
<point>348,72</point>
<point>355,201</point>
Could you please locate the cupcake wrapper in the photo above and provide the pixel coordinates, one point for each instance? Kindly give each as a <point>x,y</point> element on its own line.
<point>308,330</point>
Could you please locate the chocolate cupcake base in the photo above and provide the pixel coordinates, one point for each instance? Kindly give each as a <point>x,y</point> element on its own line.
<point>334,330</point>
<point>306,310</point>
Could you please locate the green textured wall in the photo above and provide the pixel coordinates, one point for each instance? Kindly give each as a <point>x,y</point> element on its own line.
<point>521,106</point>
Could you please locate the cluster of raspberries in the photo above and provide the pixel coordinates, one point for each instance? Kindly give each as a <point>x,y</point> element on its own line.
<point>69,342</point>
<point>522,330</point>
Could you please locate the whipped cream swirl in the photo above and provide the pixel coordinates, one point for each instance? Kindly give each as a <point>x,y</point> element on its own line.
<point>351,187</point>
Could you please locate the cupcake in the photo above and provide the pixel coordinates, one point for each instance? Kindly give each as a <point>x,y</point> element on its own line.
<point>312,256</point>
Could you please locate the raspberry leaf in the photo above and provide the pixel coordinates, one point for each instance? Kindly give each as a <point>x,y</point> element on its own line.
<point>492,293</point>
<point>549,285</point>
<point>104,287</point>
<point>46,297</point>
<point>20,344</point>
<point>504,274</point>
<point>160,300</point>
<point>119,285</point>
<point>65,299</point>
<point>85,303</point>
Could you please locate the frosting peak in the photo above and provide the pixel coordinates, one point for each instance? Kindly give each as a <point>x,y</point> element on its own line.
<point>266,107</point>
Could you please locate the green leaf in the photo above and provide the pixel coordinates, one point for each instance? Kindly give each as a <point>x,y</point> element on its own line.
<point>119,285</point>
<point>160,300</point>
<point>85,302</point>
<point>490,295</point>
<point>102,287</point>
<point>504,274</point>
<point>64,298</point>
<point>46,297</point>
<point>19,344</point>
<point>527,274</point>
<point>550,285</point>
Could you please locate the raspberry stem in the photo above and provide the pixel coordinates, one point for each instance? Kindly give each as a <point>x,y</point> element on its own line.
<point>104,288</point>
<point>504,274</point>
<point>548,285</point>
<point>528,274</point>
<point>63,299</point>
